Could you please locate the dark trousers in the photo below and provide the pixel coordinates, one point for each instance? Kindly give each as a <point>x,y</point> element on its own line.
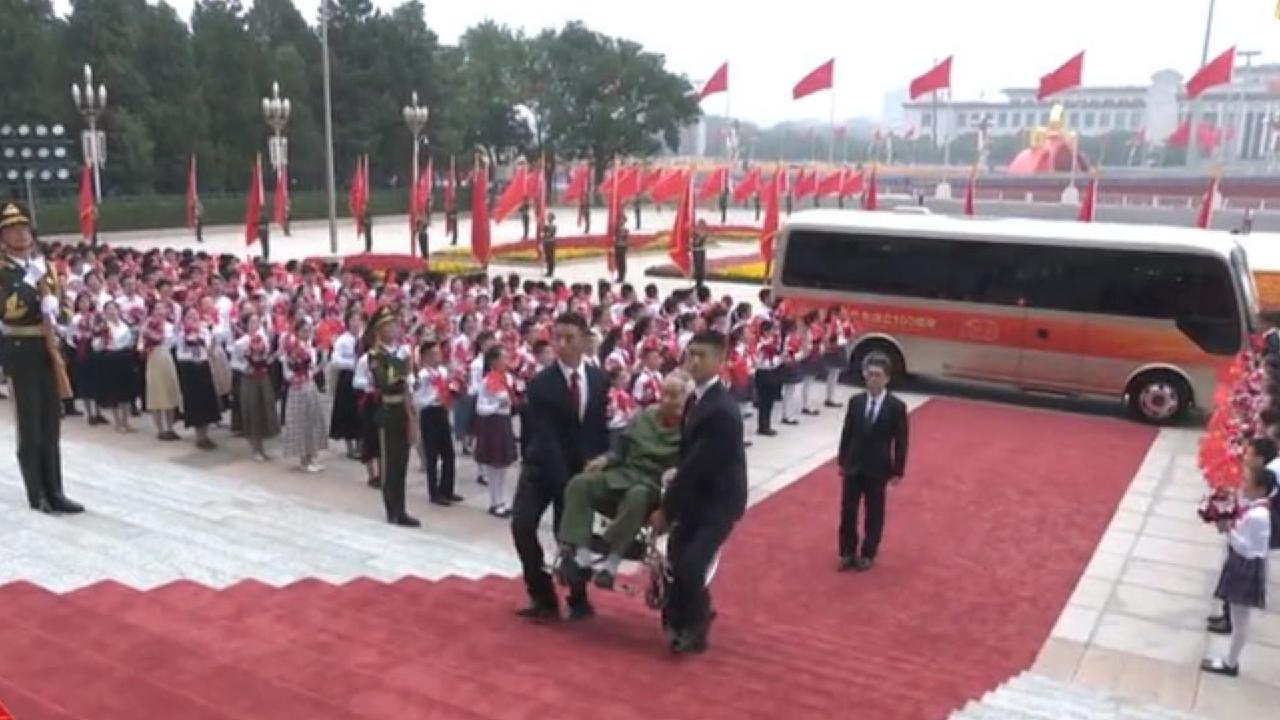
<point>395,458</point>
<point>549,254</point>
<point>857,489</point>
<point>530,504</point>
<point>39,415</point>
<point>437,443</point>
<point>368,240</point>
<point>620,262</point>
<point>767,390</point>
<point>422,245</point>
<point>451,227</point>
<point>690,550</point>
<point>699,267</point>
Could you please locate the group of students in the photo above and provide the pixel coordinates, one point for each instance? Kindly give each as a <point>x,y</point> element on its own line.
<point>206,340</point>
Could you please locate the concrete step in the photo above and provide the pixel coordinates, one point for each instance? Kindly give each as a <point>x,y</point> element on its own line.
<point>1029,696</point>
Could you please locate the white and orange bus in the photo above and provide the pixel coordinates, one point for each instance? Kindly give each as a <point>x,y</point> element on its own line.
<point>1141,313</point>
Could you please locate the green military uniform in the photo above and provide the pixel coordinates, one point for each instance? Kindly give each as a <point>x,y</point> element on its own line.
<point>32,369</point>
<point>549,246</point>
<point>390,374</point>
<point>620,236</point>
<point>627,489</point>
<point>698,249</point>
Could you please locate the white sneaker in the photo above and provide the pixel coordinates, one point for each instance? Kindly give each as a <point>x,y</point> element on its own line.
<point>313,468</point>
<point>259,457</point>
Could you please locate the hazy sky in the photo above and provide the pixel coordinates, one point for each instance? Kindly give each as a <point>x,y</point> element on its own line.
<point>880,44</point>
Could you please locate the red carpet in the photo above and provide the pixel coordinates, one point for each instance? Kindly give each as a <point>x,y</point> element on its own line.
<point>999,514</point>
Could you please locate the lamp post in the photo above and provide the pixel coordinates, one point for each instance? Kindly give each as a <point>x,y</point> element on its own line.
<point>91,102</point>
<point>415,117</point>
<point>330,185</point>
<point>275,110</point>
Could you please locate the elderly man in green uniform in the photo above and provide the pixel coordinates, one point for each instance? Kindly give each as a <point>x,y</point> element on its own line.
<point>624,484</point>
<point>29,295</point>
<point>391,374</point>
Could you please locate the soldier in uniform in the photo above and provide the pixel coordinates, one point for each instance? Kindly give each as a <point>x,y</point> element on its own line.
<point>635,204</point>
<point>620,236</point>
<point>698,248</point>
<point>366,221</point>
<point>549,243</point>
<point>264,237</point>
<point>424,240</point>
<point>29,294</point>
<point>724,205</point>
<point>199,221</point>
<point>451,224</point>
<point>524,219</point>
<point>391,374</point>
<point>584,213</point>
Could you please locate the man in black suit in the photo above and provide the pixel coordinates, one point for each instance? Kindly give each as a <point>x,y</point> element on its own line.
<point>567,421</point>
<point>706,494</point>
<point>873,455</point>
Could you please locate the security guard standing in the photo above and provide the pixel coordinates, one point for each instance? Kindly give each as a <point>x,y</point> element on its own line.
<point>620,236</point>
<point>366,221</point>
<point>264,237</point>
<point>549,243</point>
<point>29,293</point>
<point>451,224</point>
<point>391,374</point>
<point>698,248</point>
<point>424,239</point>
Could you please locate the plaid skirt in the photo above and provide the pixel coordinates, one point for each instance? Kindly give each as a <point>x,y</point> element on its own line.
<point>304,431</point>
<point>1243,581</point>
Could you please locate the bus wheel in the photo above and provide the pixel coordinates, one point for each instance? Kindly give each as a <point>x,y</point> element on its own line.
<point>878,349</point>
<point>1159,397</point>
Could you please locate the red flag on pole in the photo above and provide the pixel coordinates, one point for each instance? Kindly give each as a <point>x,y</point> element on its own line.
<point>970,191</point>
<point>193,193</point>
<point>480,213</point>
<point>718,83</point>
<point>355,196</point>
<point>1089,204</point>
<point>713,185</point>
<point>937,78</point>
<point>852,184</point>
<point>682,229</point>
<point>512,195</point>
<point>668,187</point>
<point>540,202</point>
<point>1181,135</point>
<point>749,186</point>
<point>1205,217</point>
<point>830,185</point>
<point>281,199</point>
<point>253,202</point>
<point>770,228</point>
<point>625,179</point>
<point>1216,72</point>
<point>426,184</point>
<point>869,199</point>
<point>648,180</point>
<point>1069,75</point>
<point>87,220</point>
<point>578,180</point>
<point>806,184</point>
<point>613,217</point>
<point>820,78</point>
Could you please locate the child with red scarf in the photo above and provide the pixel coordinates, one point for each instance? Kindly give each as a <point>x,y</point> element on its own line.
<point>304,430</point>
<point>163,394</point>
<point>495,439</point>
<point>258,412</point>
<point>622,407</point>
<point>200,407</point>
<point>432,398</point>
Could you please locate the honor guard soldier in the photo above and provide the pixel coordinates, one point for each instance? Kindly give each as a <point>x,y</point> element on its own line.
<point>264,237</point>
<point>584,213</point>
<point>451,224</point>
<point>524,219</point>
<point>620,236</point>
<point>698,248</point>
<point>199,221</point>
<point>391,376</point>
<point>29,352</point>
<point>724,205</point>
<point>549,243</point>
<point>366,221</point>
<point>424,240</point>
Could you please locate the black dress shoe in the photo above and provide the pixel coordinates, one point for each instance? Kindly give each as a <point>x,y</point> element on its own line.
<point>569,572</point>
<point>604,580</point>
<point>581,611</point>
<point>407,521</point>
<point>66,506</point>
<point>1220,667</point>
<point>810,412</point>
<point>863,564</point>
<point>847,562</point>
<point>688,642</point>
<point>43,506</point>
<point>375,482</point>
<point>790,422</point>
<point>539,611</point>
<point>456,498</point>
<point>443,502</point>
<point>767,432</point>
<point>1222,626</point>
<point>832,404</point>
<point>746,443</point>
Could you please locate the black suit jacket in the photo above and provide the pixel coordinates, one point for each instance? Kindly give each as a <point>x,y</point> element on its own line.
<point>711,477</point>
<point>558,443</point>
<point>879,449</point>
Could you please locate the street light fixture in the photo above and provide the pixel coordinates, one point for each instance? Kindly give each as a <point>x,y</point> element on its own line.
<point>275,110</point>
<point>91,103</point>
<point>415,117</point>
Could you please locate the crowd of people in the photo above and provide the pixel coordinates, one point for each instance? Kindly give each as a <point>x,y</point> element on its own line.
<point>199,340</point>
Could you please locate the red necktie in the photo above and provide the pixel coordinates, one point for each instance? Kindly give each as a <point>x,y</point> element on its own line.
<point>575,394</point>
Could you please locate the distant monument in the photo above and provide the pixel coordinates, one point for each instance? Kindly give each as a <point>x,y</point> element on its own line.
<point>1050,150</point>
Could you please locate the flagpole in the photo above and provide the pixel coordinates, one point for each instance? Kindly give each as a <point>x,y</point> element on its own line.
<point>831,149</point>
<point>330,183</point>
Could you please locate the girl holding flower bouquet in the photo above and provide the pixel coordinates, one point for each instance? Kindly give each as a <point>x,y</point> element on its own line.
<point>258,414</point>
<point>163,394</point>
<point>304,430</point>
<point>199,401</point>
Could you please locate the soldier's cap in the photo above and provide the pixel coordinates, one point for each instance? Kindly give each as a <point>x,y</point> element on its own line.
<point>13,213</point>
<point>381,316</point>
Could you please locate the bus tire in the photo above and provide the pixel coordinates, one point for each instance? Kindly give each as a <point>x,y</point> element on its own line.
<point>1159,397</point>
<point>878,348</point>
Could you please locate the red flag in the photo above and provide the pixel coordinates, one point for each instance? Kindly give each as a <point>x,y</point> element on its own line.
<point>1216,72</point>
<point>937,78</point>
<point>426,184</point>
<point>1205,216</point>
<point>480,214</point>
<point>1089,204</point>
<point>628,182</point>
<point>970,190</point>
<point>718,83</point>
<point>515,193</point>
<point>578,180</point>
<point>852,184</point>
<point>450,187</point>
<point>540,202</point>
<point>281,198</point>
<point>87,220</point>
<point>193,193</point>
<point>682,229</point>
<point>749,186</point>
<point>770,228</point>
<point>1181,135</point>
<point>1208,136</point>
<point>821,78</point>
<point>648,180</point>
<point>1067,76</point>
<point>253,202</point>
<point>668,187</point>
<point>830,185</point>
<point>713,185</point>
<point>613,217</point>
<point>806,184</point>
<point>356,195</point>
<point>869,199</point>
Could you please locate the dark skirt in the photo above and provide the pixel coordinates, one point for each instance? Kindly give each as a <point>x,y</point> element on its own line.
<point>370,442</point>
<point>199,400</point>
<point>767,385</point>
<point>789,374</point>
<point>814,366</point>
<point>495,440</point>
<point>259,415</point>
<point>82,375</point>
<point>835,360</point>
<point>344,420</point>
<point>464,411</point>
<point>1243,581</point>
<point>116,382</point>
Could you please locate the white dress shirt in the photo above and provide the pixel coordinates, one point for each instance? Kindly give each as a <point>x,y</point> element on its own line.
<point>361,378</point>
<point>1250,537</point>
<point>582,384</point>
<point>875,403</point>
<point>344,352</point>
<point>702,389</point>
<point>425,392</point>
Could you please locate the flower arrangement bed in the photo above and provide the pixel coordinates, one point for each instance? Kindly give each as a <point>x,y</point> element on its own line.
<point>573,247</point>
<point>747,269</point>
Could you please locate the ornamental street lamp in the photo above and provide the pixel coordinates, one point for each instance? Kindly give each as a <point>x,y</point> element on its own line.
<point>91,103</point>
<point>415,117</point>
<point>275,110</point>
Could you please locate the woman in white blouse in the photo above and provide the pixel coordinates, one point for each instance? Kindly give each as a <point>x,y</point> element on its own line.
<point>344,420</point>
<point>200,407</point>
<point>163,394</point>
<point>304,432</point>
<point>113,345</point>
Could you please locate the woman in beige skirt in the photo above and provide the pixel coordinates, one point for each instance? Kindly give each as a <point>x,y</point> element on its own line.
<point>219,365</point>
<point>164,394</point>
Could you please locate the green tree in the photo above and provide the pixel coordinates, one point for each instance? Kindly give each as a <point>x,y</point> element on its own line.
<point>225,60</point>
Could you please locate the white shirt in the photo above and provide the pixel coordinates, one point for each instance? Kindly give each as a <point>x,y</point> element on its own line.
<point>475,375</point>
<point>192,352</point>
<point>130,305</point>
<point>1250,537</point>
<point>582,384</point>
<point>361,378</point>
<point>425,393</point>
<point>875,403</point>
<point>702,389</point>
<point>120,337</point>
<point>493,403</point>
<point>344,352</point>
